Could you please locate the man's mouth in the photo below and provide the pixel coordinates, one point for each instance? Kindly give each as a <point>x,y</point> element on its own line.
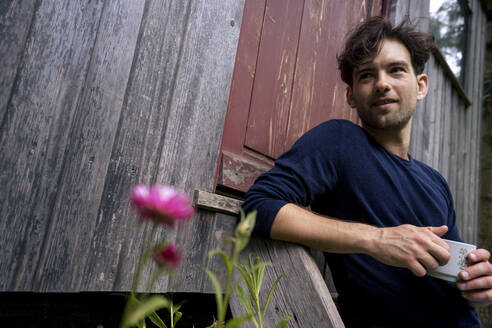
<point>384,102</point>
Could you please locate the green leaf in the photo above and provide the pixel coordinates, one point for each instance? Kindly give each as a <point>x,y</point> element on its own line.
<point>218,290</point>
<point>244,273</point>
<point>259,274</point>
<point>177,316</point>
<point>246,301</point>
<point>143,309</point>
<point>156,320</point>
<point>283,323</point>
<point>224,256</point>
<point>235,322</point>
<point>178,306</point>
<point>270,293</point>
<point>248,279</point>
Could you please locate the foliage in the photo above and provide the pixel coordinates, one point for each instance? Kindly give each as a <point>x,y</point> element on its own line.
<point>163,205</point>
<point>448,27</point>
<point>253,277</point>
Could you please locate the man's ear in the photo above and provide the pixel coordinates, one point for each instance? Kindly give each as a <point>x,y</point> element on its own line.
<point>422,86</point>
<point>350,97</point>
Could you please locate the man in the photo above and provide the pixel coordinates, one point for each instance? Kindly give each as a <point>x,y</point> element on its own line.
<point>378,213</point>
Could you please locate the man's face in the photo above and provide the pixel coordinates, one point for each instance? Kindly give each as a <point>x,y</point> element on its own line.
<point>385,90</point>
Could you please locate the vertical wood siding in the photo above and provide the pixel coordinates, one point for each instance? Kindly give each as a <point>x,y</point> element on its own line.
<point>445,131</point>
<point>97,97</point>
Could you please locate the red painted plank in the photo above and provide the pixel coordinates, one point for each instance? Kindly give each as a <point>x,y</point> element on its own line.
<point>243,76</point>
<point>267,122</point>
<point>242,80</point>
<point>240,170</point>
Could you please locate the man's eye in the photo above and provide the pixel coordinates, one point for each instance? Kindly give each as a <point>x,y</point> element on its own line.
<point>397,69</point>
<point>365,76</point>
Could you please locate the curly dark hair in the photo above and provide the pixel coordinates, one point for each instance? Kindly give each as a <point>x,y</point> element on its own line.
<point>364,43</point>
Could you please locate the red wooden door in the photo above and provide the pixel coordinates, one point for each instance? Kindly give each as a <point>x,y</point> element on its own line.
<point>285,80</point>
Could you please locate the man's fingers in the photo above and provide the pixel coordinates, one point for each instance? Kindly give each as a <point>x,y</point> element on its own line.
<point>440,231</point>
<point>437,247</point>
<point>484,295</point>
<point>428,261</point>
<point>417,269</point>
<point>441,255</point>
<point>437,232</point>
<point>478,255</point>
<point>476,270</point>
<point>484,282</point>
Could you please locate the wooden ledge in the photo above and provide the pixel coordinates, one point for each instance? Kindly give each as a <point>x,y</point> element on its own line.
<point>217,203</point>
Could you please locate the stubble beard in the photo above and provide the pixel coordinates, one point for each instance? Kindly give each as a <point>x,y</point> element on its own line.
<point>390,121</point>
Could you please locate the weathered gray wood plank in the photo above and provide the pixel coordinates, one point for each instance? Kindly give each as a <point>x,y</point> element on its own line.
<point>138,144</point>
<point>210,201</point>
<point>479,64</point>
<point>435,148</point>
<point>460,169</point>
<point>186,109</point>
<point>428,128</point>
<point>15,24</point>
<point>469,118</point>
<point>446,133</point>
<point>34,133</point>
<point>301,293</point>
<point>197,112</point>
<point>75,212</point>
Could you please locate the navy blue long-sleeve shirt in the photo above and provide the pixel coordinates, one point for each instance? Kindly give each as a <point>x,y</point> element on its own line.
<point>340,171</point>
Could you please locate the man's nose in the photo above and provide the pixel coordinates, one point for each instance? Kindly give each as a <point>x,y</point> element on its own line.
<point>382,84</point>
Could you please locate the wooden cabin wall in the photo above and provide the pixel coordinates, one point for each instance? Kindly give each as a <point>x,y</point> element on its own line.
<point>95,97</point>
<point>446,132</point>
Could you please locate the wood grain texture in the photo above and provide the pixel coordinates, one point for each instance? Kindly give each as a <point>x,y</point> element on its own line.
<point>35,137</point>
<point>266,129</point>
<point>217,203</point>
<point>301,293</point>
<point>109,95</point>
<point>14,33</point>
<point>183,118</point>
<point>75,213</point>
<point>197,112</point>
<point>138,144</point>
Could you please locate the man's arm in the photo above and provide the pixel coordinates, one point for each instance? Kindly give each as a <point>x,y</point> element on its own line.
<point>406,246</point>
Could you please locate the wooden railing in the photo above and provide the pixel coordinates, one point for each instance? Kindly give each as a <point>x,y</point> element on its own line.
<point>301,293</point>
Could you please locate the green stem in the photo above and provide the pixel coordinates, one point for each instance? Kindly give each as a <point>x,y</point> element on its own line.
<point>258,309</point>
<point>235,256</point>
<point>171,310</point>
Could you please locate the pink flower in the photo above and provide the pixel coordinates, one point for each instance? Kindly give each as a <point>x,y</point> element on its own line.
<point>167,255</point>
<point>140,194</point>
<point>161,204</point>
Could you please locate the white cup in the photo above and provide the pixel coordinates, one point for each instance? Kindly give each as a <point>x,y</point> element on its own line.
<point>456,263</point>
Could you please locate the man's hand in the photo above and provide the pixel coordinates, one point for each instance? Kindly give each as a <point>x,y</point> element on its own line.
<point>416,248</point>
<point>476,280</point>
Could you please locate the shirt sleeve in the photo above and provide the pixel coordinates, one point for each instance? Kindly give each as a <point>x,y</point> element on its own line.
<point>307,170</point>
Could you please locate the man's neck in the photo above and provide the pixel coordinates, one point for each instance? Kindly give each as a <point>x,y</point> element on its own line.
<point>395,141</point>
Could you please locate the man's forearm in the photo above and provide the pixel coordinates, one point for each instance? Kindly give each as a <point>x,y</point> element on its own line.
<point>298,225</point>
<point>406,246</point>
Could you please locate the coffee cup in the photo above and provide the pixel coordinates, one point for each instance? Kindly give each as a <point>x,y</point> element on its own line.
<point>456,263</point>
